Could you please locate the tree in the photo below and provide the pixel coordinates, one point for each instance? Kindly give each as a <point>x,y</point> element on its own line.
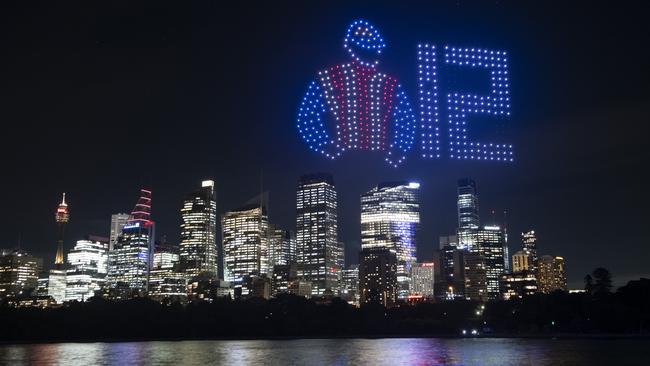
<point>603,281</point>
<point>589,284</point>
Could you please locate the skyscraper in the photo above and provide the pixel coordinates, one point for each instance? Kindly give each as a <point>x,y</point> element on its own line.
<point>468,213</point>
<point>422,279</point>
<point>521,261</point>
<point>350,291</point>
<point>551,275</point>
<point>166,283</point>
<point>378,276</point>
<point>491,246</point>
<point>475,276</point>
<point>118,221</point>
<point>198,247</point>
<point>282,247</point>
<point>62,216</point>
<point>131,258</point>
<point>57,281</point>
<point>88,263</point>
<point>18,273</point>
<point>390,216</point>
<point>529,240</point>
<point>317,233</point>
<point>245,245</point>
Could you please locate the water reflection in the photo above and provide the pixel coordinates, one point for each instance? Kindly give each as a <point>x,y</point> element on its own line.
<point>419,352</point>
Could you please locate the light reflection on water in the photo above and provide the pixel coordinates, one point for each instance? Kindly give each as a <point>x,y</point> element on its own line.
<point>397,351</point>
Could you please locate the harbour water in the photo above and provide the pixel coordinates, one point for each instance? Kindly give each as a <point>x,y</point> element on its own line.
<point>390,351</point>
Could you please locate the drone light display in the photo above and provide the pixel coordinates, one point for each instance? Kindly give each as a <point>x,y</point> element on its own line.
<point>371,110</point>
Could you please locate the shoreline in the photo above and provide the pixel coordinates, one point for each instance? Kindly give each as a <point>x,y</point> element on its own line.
<point>559,336</point>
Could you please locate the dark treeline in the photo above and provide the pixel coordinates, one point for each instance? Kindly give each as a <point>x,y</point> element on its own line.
<point>625,311</point>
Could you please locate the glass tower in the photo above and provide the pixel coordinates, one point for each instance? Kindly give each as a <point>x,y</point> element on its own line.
<point>88,262</point>
<point>317,233</point>
<point>491,246</point>
<point>468,214</point>
<point>245,245</point>
<point>390,216</point>
<point>198,249</point>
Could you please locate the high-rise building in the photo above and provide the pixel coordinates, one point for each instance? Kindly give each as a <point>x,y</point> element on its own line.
<point>468,212</point>
<point>350,291</point>
<point>57,283</point>
<point>118,221</point>
<point>475,276</point>
<point>18,274</point>
<point>282,247</point>
<point>378,276</point>
<point>62,216</point>
<point>390,216</point>
<point>317,233</point>
<point>131,259</point>
<point>490,241</point>
<point>245,245</point>
<point>282,276</point>
<point>551,274</point>
<point>449,272</point>
<point>422,279</point>
<point>198,247</point>
<point>518,285</point>
<point>88,263</point>
<point>166,282</point>
<point>521,261</point>
<point>529,240</point>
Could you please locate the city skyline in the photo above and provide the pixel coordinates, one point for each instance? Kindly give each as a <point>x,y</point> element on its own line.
<point>573,132</point>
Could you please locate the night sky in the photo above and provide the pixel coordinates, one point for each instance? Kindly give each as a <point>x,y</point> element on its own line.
<point>99,99</point>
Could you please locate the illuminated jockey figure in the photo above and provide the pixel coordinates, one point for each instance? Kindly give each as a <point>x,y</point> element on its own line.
<point>370,109</point>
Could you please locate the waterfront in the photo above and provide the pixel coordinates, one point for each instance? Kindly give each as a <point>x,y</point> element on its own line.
<point>395,351</point>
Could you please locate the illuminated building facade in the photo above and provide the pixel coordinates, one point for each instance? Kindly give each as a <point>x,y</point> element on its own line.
<point>378,276</point>
<point>350,292</point>
<point>475,276</point>
<point>449,271</point>
<point>422,279</point>
<point>390,216</point>
<point>18,274</point>
<point>166,282</point>
<point>529,240</point>
<point>57,284</point>
<point>282,247</point>
<point>283,275</point>
<point>131,258</point>
<point>492,246</point>
<point>551,274</point>
<point>88,265</point>
<point>468,214</point>
<point>317,233</point>
<point>521,261</point>
<point>245,245</point>
<point>198,247</point>
<point>517,285</point>
<point>118,221</point>
<point>62,216</point>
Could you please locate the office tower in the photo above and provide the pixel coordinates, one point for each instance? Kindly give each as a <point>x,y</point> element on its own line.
<point>468,212</point>
<point>317,233</point>
<point>131,258</point>
<point>245,245</point>
<point>282,247</point>
<point>198,246</point>
<point>491,245</point>
<point>18,274</point>
<point>521,261</point>
<point>118,221</point>
<point>87,269</point>
<point>517,285</point>
<point>449,268</point>
<point>551,275</point>
<point>529,240</point>
<point>475,276</point>
<point>282,275</point>
<point>390,216</point>
<point>166,282</point>
<point>422,279</point>
<point>378,276</point>
<point>62,216</point>
<point>350,277</point>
